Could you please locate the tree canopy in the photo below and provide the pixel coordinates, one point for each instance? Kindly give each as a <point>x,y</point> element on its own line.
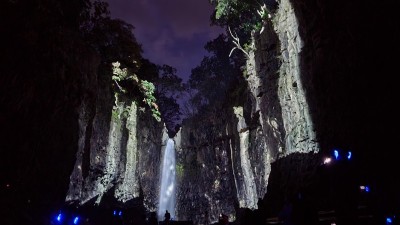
<point>210,83</point>
<point>168,89</point>
<point>242,17</point>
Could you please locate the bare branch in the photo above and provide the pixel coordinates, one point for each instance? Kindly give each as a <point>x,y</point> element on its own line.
<point>120,88</point>
<point>236,41</point>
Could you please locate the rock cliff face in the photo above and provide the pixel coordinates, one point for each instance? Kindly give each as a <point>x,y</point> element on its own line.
<point>120,156</point>
<point>317,77</point>
<point>224,161</point>
<point>247,154</point>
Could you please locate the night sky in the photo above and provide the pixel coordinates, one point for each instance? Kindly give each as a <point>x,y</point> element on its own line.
<point>171,32</point>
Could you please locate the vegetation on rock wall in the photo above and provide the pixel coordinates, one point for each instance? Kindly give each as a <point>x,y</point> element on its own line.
<point>242,17</point>
<point>58,54</point>
<point>147,88</point>
<point>115,42</point>
<point>139,79</point>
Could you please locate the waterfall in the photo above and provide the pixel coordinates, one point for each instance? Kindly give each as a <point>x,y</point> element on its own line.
<point>167,190</point>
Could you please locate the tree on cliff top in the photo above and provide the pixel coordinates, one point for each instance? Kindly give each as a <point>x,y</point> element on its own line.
<point>213,79</point>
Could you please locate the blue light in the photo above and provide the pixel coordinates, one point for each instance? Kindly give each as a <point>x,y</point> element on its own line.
<point>76,220</point>
<point>59,217</point>
<point>349,155</point>
<point>120,213</point>
<point>366,189</point>
<point>388,220</point>
<point>336,153</point>
<point>115,212</point>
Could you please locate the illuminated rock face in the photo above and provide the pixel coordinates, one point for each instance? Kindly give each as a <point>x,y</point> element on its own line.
<point>276,86</point>
<point>119,158</point>
<point>128,187</point>
<point>219,167</point>
<point>299,130</point>
<point>222,164</point>
<point>247,189</point>
<point>206,185</point>
<point>228,161</point>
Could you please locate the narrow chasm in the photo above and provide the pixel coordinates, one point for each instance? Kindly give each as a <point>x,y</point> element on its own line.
<point>279,112</point>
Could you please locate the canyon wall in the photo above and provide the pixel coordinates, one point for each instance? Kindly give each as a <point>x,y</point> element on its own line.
<point>224,159</point>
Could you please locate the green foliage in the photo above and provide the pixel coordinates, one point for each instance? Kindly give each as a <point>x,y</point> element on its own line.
<point>257,26</point>
<point>116,44</point>
<point>242,16</point>
<point>168,88</point>
<point>179,169</point>
<point>244,10</point>
<point>214,77</point>
<point>114,114</point>
<point>126,111</point>
<point>120,75</point>
<point>223,8</point>
<point>248,47</point>
<point>120,111</point>
<point>146,88</point>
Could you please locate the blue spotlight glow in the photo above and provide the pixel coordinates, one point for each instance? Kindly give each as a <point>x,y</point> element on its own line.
<point>59,217</point>
<point>76,220</point>
<point>349,155</point>
<point>120,213</point>
<point>115,212</point>
<point>366,189</point>
<point>336,153</point>
<point>388,220</point>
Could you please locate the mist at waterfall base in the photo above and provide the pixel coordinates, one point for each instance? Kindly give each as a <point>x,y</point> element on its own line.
<point>167,189</point>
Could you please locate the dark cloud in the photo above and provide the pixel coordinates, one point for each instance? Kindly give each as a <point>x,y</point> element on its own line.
<point>171,32</point>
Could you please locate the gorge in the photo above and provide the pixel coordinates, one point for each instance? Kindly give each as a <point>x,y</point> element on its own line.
<point>313,81</point>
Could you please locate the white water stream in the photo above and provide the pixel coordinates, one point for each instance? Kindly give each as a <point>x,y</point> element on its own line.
<point>167,190</point>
